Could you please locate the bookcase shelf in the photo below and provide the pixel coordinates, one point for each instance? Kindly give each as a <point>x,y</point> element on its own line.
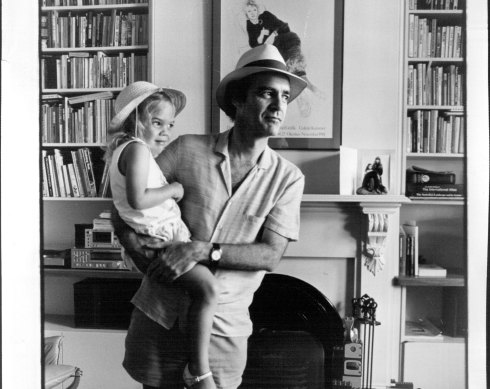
<point>435,60</point>
<point>450,108</point>
<point>434,155</point>
<point>83,199</point>
<point>434,201</point>
<point>433,139</point>
<point>82,8</point>
<point>452,280</point>
<point>72,145</point>
<point>70,91</point>
<point>437,12</point>
<point>105,49</point>
<point>91,273</point>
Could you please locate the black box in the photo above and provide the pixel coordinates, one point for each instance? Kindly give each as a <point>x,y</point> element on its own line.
<point>104,302</point>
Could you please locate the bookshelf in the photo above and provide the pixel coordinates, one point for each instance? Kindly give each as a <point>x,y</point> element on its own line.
<point>434,139</point>
<point>89,51</point>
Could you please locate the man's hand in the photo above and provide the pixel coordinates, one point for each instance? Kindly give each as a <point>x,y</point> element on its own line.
<point>175,259</point>
<point>141,248</point>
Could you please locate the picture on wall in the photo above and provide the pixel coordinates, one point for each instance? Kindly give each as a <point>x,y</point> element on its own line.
<point>308,34</point>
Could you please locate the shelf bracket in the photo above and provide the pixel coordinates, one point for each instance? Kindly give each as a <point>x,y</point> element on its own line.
<point>374,241</point>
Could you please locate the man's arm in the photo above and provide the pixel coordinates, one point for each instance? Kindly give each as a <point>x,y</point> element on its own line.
<point>263,255</point>
<point>134,244</point>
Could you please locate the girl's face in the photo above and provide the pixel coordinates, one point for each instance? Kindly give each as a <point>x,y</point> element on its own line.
<point>252,13</point>
<point>157,127</point>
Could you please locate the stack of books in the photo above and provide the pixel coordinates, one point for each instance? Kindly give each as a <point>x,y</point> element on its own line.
<point>427,184</point>
<point>410,262</point>
<point>103,222</point>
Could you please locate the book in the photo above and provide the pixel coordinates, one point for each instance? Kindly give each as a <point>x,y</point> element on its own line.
<point>422,328</point>
<point>402,246</point>
<point>87,159</point>
<point>73,180</point>
<point>58,160</point>
<point>104,183</point>
<point>77,167</point>
<point>412,231</point>
<point>45,176</point>
<point>442,191</point>
<point>431,270</point>
<point>418,175</point>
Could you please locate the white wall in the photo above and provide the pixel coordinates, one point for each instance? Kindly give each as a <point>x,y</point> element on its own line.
<point>20,284</point>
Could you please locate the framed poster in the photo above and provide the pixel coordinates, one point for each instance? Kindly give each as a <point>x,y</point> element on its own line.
<point>308,34</point>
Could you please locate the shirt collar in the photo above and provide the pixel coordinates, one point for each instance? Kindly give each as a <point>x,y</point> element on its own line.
<point>221,147</point>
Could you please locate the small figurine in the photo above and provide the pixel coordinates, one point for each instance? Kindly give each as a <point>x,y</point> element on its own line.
<point>372,183</point>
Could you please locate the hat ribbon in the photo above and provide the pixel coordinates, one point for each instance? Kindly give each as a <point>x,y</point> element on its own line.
<point>268,63</point>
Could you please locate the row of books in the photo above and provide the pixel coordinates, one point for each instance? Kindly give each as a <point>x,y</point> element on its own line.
<point>58,3</point>
<point>434,4</point>
<point>85,122</point>
<point>430,131</point>
<point>75,178</point>
<point>93,29</point>
<point>80,70</point>
<point>437,85</point>
<point>427,39</point>
<point>409,260</point>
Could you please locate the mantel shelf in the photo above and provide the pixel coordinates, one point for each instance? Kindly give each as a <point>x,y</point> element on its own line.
<point>379,201</point>
<point>308,200</point>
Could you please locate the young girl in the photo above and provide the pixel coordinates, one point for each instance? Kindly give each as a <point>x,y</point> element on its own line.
<point>141,129</point>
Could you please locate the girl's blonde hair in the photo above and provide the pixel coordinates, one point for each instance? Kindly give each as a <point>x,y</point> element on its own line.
<point>134,124</point>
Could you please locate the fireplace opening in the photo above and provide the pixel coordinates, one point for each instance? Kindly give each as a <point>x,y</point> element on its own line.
<point>295,331</point>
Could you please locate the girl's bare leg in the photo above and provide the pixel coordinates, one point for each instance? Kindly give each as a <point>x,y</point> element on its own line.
<point>200,283</point>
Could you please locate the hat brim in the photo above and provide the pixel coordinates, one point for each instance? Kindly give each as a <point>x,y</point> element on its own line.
<point>296,84</point>
<point>177,97</point>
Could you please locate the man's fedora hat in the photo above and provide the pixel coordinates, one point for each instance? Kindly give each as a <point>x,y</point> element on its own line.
<point>260,59</point>
<point>131,96</point>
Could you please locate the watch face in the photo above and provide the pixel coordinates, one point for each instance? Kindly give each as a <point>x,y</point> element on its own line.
<point>216,255</point>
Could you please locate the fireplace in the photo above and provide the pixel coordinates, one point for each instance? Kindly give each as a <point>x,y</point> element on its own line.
<point>295,328</point>
<point>295,331</point>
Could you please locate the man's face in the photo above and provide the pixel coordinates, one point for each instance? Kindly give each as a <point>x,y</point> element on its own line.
<point>265,105</point>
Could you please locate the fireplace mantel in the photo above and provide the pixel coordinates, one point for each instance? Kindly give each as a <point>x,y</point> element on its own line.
<point>389,201</point>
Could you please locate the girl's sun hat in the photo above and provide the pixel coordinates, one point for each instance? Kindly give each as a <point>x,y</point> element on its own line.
<point>131,96</point>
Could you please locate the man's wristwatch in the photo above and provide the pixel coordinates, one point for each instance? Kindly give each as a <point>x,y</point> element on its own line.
<point>215,254</point>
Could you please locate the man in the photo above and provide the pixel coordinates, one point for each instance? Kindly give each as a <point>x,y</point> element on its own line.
<point>241,203</point>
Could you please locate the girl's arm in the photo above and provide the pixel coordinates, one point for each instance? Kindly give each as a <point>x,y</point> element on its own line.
<point>134,164</point>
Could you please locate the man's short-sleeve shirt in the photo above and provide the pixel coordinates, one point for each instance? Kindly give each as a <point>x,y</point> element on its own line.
<point>269,197</point>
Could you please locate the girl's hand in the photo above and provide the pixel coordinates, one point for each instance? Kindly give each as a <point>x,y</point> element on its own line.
<point>177,191</point>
